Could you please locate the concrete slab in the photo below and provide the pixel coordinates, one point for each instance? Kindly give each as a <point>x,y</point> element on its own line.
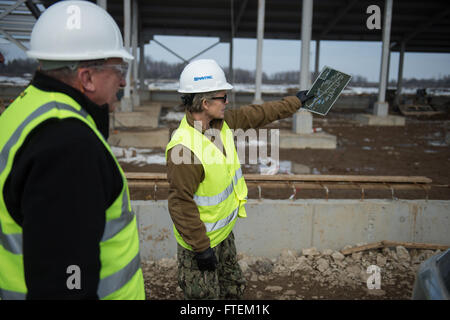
<point>144,95</point>
<point>318,140</point>
<point>147,106</point>
<point>302,122</point>
<point>158,138</point>
<point>126,104</point>
<point>381,109</point>
<point>372,120</point>
<point>298,168</point>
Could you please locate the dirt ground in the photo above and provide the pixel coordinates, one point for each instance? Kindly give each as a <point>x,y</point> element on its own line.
<point>420,148</point>
<point>417,149</point>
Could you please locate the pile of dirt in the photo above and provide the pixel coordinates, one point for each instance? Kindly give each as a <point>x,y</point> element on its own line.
<point>308,275</point>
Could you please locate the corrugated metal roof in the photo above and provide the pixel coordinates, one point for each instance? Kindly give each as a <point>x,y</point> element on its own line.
<point>424,25</point>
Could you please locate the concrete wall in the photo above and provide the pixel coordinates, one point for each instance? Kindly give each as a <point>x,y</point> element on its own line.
<point>272,225</point>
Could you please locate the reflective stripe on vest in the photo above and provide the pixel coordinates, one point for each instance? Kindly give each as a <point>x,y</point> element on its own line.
<point>213,226</point>
<point>218,198</point>
<point>38,112</point>
<point>11,242</point>
<point>117,280</point>
<point>114,226</point>
<point>11,295</point>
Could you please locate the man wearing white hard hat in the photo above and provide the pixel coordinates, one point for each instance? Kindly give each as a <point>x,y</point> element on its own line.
<point>67,230</point>
<point>207,189</point>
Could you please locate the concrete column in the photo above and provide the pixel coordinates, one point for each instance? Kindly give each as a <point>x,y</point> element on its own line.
<point>316,61</point>
<point>230,64</point>
<point>381,107</point>
<point>142,66</point>
<point>302,121</point>
<point>260,34</point>
<point>231,74</point>
<point>134,42</point>
<point>102,3</point>
<point>305,76</point>
<point>388,68</point>
<point>400,73</point>
<point>126,103</point>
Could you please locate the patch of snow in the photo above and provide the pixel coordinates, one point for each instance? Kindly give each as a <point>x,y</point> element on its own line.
<point>138,156</point>
<point>14,81</point>
<point>173,116</point>
<point>437,143</point>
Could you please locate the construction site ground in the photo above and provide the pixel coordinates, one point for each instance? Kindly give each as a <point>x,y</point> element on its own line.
<point>420,148</point>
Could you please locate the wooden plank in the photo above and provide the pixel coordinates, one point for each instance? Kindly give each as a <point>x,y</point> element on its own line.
<point>369,246</point>
<point>292,178</point>
<point>389,244</point>
<point>336,186</point>
<point>338,178</point>
<point>145,176</point>
<point>149,184</point>
<point>416,245</point>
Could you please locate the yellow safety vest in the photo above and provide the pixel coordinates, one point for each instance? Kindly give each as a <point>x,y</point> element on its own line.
<point>120,274</point>
<point>221,196</point>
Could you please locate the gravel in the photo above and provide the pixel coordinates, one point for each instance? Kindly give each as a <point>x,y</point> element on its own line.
<point>309,274</point>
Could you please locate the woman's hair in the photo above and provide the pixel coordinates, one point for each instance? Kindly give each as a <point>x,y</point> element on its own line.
<point>193,101</point>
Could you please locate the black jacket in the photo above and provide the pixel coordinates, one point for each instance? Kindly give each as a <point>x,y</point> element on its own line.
<point>62,181</point>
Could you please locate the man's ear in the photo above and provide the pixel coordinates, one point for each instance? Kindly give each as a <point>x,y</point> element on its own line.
<point>85,80</point>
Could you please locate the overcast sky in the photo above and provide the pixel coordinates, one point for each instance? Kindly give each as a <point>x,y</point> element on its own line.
<point>355,58</point>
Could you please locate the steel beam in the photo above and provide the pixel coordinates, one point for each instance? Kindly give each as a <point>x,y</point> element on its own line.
<point>16,42</point>
<point>240,14</point>
<point>381,107</point>
<point>401,60</point>
<point>103,4</point>
<point>316,61</point>
<point>341,13</point>
<point>11,8</point>
<point>307,11</point>
<point>127,104</point>
<point>203,51</point>
<point>170,50</point>
<point>259,48</point>
<point>33,9</point>
<point>428,23</point>
<point>302,120</point>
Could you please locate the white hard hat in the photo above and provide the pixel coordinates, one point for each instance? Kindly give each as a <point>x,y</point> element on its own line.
<point>76,31</point>
<point>203,75</point>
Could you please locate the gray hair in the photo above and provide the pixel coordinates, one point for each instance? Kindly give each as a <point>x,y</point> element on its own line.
<point>195,104</point>
<point>65,71</point>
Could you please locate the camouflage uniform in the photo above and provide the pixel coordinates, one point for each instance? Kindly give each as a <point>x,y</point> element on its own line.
<point>226,282</point>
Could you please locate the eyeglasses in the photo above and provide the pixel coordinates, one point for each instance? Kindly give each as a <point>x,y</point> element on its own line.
<point>120,68</point>
<point>224,98</point>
